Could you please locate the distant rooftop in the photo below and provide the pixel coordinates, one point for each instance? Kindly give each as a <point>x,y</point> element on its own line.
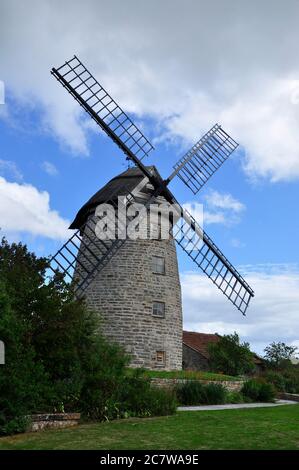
<point>200,341</point>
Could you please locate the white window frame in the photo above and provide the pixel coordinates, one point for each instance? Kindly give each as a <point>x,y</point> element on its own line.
<point>155,264</point>
<point>157,314</point>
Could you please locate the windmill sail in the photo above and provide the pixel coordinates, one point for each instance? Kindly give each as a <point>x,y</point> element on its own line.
<point>197,166</point>
<point>209,258</point>
<point>194,169</point>
<point>84,87</point>
<point>85,255</point>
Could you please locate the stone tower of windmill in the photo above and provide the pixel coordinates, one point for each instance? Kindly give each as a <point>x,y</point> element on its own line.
<point>137,294</point>
<point>134,284</point>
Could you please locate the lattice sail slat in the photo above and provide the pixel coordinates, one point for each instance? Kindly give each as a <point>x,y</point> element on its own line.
<point>197,166</point>
<point>84,254</point>
<point>209,258</point>
<point>98,103</point>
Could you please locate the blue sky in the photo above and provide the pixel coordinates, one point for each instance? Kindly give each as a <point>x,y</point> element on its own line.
<point>267,231</point>
<point>176,85</point>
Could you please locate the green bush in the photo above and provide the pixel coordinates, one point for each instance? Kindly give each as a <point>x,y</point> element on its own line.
<point>195,393</point>
<point>191,393</point>
<point>215,394</point>
<point>267,392</point>
<point>286,380</point>
<point>291,378</point>
<point>24,384</point>
<point>236,397</point>
<point>258,391</point>
<point>230,356</point>
<point>134,396</point>
<point>56,358</point>
<point>161,402</point>
<point>139,398</point>
<point>276,379</point>
<point>291,382</point>
<point>251,389</point>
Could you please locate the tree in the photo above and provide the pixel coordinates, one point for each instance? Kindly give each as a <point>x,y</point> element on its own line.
<point>279,354</point>
<point>54,349</point>
<point>230,356</point>
<point>56,356</point>
<point>23,381</point>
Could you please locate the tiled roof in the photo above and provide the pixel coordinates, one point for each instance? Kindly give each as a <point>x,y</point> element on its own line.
<point>199,341</point>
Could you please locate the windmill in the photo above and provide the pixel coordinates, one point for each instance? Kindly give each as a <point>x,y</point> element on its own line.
<point>112,275</point>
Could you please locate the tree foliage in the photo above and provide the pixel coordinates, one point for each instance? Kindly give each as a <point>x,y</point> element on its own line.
<point>54,349</point>
<point>230,356</point>
<point>56,358</point>
<point>279,354</point>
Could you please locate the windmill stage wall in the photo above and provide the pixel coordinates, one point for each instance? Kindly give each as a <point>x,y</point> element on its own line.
<point>123,293</point>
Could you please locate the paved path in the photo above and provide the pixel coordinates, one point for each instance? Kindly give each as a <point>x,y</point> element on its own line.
<point>235,406</point>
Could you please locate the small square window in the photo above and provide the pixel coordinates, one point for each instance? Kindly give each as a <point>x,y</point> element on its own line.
<point>160,357</point>
<point>159,309</point>
<point>158,265</point>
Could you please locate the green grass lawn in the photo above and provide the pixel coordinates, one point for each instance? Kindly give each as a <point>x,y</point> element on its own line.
<point>185,374</point>
<point>260,428</point>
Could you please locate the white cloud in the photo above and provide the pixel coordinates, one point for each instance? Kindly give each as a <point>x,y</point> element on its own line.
<point>226,201</point>
<point>273,314</point>
<point>49,168</point>
<point>188,65</point>
<point>214,218</point>
<point>9,168</point>
<point>222,208</point>
<point>23,208</point>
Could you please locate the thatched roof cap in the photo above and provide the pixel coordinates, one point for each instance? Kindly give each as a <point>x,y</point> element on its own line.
<point>118,186</point>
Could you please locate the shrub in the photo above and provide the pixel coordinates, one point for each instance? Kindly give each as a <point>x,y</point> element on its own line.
<point>258,391</point>
<point>230,356</point>
<point>276,379</point>
<point>195,393</point>
<point>267,392</point>
<point>136,397</point>
<point>160,402</point>
<point>215,394</point>
<point>235,397</point>
<point>251,389</point>
<point>24,383</point>
<point>191,393</point>
<point>142,396</point>
<point>291,382</point>
<point>286,380</point>
<point>103,372</point>
<point>56,357</point>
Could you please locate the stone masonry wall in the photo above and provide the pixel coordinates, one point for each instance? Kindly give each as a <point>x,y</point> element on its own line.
<point>123,293</point>
<point>193,360</point>
<point>231,386</point>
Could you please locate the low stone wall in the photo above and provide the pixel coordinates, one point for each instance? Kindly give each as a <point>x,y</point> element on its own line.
<point>288,396</point>
<point>53,420</point>
<point>231,386</point>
